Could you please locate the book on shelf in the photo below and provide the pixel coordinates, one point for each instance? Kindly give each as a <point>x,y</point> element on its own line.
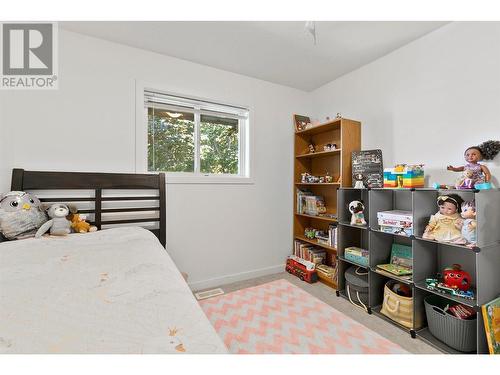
<point>401,262</point>
<point>309,252</point>
<point>301,194</point>
<point>389,274</point>
<point>313,205</point>
<point>491,318</point>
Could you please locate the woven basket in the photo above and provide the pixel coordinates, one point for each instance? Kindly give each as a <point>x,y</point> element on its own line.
<point>396,307</point>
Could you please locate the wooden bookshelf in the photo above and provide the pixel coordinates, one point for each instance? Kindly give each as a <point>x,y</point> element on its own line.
<point>346,135</point>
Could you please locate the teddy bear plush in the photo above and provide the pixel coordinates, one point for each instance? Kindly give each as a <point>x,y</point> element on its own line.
<point>79,225</point>
<point>58,225</point>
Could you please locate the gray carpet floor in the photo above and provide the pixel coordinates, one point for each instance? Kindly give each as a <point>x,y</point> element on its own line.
<point>327,295</point>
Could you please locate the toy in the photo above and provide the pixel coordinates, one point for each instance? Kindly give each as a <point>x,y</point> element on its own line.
<point>58,224</point>
<point>338,115</point>
<point>359,178</point>
<point>301,268</point>
<point>356,208</point>
<point>330,147</point>
<point>404,176</point>
<point>21,214</point>
<point>473,172</point>
<point>469,223</point>
<point>435,285</point>
<point>79,225</point>
<point>312,148</point>
<point>454,277</point>
<point>445,225</point>
<point>310,233</point>
<point>401,289</point>
<point>328,178</point>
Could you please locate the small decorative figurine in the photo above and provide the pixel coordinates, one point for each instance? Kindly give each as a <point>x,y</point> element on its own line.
<point>310,233</point>
<point>469,223</point>
<point>330,147</point>
<point>312,149</point>
<point>356,208</point>
<point>475,173</point>
<point>359,181</point>
<point>328,178</point>
<point>445,225</point>
<point>321,180</point>
<point>338,115</point>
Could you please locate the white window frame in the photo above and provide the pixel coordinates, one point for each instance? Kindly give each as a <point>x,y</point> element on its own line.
<point>245,175</point>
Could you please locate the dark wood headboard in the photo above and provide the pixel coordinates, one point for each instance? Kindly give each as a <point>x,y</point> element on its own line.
<point>98,182</point>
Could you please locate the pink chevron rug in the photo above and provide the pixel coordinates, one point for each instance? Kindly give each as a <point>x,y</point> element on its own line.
<point>280,318</point>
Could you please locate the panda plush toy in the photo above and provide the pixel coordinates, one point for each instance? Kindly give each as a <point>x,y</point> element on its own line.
<point>21,214</point>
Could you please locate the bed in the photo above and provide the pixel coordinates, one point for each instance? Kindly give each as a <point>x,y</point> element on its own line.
<point>112,291</point>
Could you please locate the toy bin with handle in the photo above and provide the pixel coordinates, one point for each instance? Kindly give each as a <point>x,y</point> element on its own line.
<point>398,308</point>
<point>460,334</point>
<point>356,279</point>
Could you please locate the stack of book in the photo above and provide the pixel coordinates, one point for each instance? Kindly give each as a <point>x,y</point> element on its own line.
<point>396,222</point>
<point>309,252</point>
<point>356,255</point>
<point>310,204</point>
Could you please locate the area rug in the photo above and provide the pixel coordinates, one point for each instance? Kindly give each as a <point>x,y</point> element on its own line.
<point>280,318</point>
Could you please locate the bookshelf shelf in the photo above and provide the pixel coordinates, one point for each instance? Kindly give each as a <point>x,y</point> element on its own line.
<point>317,184</point>
<point>325,218</point>
<point>315,242</point>
<point>319,154</point>
<point>321,128</point>
<point>346,135</point>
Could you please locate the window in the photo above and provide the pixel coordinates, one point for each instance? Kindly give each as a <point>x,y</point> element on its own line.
<point>191,137</point>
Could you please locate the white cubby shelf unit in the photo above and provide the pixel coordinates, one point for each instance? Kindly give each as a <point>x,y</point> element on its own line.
<point>429,257</point>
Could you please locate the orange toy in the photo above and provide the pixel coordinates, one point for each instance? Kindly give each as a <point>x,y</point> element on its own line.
<point>79,225</point>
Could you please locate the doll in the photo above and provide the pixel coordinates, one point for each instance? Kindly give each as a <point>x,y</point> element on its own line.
<point>469,223</point>
<point>473,172</point>
<point>445,225</point>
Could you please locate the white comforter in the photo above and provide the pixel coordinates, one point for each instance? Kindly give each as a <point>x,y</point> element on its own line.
<point>112,291</point>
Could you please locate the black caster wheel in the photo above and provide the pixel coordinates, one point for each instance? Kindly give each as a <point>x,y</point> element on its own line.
<point>337,293</point>
<point>369,310</point>
<point>413,334</point>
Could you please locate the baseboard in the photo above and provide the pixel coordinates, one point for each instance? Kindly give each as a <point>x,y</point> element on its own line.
<point>227,279</point>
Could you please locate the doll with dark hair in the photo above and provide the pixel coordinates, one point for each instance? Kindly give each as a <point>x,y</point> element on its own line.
<point>473,172</point>
<point>446,224</point>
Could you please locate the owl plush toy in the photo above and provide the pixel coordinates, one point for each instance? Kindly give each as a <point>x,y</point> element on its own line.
<point>21,214</point>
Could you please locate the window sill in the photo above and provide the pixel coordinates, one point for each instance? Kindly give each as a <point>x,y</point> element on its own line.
<point>200,179</point>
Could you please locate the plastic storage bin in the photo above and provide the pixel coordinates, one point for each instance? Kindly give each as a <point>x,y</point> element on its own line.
<point>457,333</point>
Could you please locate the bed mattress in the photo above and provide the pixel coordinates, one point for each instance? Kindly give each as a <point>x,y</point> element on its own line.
<point>112,291</point>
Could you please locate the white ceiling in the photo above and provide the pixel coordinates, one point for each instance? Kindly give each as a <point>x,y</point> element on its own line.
<point>280,52</point>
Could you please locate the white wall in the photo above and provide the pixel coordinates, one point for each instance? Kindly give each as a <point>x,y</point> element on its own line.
<point>215,233</point>
<point>427,101</point>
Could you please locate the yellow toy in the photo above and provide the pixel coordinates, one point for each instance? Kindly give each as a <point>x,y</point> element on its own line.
<point>446,224</point>
<point>79,225</point>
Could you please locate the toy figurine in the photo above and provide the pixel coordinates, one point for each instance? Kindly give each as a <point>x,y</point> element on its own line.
<point>338,115</point>
<point>312,149</point>
<point>328,178</point>
<point>475,173</point>
<point>469,223</point>
<point>330,147</point>
<point>356,208</point>
<point>445,225</point>
<point>454,277</point>
<point>359,178</point>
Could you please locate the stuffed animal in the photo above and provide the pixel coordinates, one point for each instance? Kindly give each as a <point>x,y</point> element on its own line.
<point>356,208</point>
<point>79,225</point>
<point>21,214</point>
<point>58,224</point>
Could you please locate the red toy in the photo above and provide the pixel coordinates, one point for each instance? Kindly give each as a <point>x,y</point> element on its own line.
<point>301,268</point>
<point>456,278</point>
